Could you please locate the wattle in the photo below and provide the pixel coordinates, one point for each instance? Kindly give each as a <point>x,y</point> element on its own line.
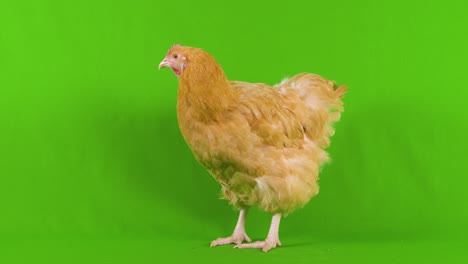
<point>176,71</point>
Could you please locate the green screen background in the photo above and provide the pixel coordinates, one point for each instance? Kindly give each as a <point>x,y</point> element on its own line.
<point>93,168</point>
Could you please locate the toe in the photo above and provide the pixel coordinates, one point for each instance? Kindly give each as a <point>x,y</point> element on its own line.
<point>219,242</point>
<point>214,243</point>
<point>257,244</point>
<point>270,244</point>
<point>236,238</point>
<point>267,247</point>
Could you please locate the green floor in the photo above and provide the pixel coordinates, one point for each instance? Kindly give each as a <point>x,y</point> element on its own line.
<point>295,250</point>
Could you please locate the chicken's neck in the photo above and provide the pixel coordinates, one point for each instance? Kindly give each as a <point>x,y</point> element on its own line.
<point>203,97</point>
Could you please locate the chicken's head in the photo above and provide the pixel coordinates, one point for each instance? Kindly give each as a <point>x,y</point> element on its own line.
<point>174,60</point>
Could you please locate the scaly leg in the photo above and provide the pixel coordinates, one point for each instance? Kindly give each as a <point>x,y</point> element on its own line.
<point>272,239</point>
<point>238,236</point>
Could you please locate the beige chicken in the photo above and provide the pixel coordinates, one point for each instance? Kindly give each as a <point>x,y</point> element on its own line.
<point>263,144</point>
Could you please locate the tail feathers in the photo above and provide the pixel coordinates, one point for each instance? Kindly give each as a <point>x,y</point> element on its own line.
<point>336,107</point>
<point>322,99</point>
<point>341,90</point>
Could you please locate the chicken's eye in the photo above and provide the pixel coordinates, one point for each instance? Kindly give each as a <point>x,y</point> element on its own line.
<point>175,56</point>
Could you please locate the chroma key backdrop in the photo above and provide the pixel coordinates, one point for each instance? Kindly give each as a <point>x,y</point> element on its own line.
<point>93,168</point>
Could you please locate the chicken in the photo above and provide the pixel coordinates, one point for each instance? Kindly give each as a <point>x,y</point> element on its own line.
<point>263,144</point>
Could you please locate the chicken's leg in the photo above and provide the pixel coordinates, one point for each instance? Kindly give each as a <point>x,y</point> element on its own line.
<point>238,236</point>
<point>272,239</point>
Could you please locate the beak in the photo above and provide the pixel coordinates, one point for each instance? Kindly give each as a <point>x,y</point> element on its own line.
<point>163,64</point>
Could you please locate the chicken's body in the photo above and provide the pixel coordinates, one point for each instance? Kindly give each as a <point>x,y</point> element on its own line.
<point>263,144</point>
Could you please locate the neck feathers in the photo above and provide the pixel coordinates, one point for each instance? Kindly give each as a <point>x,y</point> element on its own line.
<point>204,90</point>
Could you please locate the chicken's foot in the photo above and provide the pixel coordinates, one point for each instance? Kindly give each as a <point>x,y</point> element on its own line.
<point>238,236</point>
